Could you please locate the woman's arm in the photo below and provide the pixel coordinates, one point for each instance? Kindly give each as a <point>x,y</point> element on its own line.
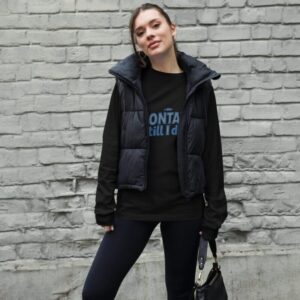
<point>108,167</point>
<point>216,211</point>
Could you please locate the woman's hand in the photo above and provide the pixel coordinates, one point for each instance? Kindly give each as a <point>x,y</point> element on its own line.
<point>108,228</point>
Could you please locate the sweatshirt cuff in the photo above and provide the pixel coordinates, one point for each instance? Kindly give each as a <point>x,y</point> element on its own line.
<point>107,220</point>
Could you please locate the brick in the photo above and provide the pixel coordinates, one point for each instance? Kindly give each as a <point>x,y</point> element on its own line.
<point>234,129</point>
<point>207,16</point>
<point>8,72</point>
<point>94,70</point>
<point>52,38</point>
<point>271,15</point>
<point>209,50</point>
<point>8,157</point>
<point>95,5</point>
<point>43,86</point>
<point>231,65</point>
<point>282,32</point>
<point>13,37</point>
<point>85,153</point>
<point>250,15</point>
<point>90,135</point>
<point>236,3</point>
<point>286,128</point>
<point>229,16</point>
<point>286,236</point>
<point>101,86</point>
<point>286,96</point>
<point>215,3</point>
<point>291,14</point>
<point>281,192</point>
<point>260,129</point>
<point>79,21</point>
<point>183,3</point>
<point>67,5</point>
<point>185,17</point>
<point>232,97</point>
<point>257,144</point>
<point>99,36</point>
<point>77,54</point>
<point>286,48</point>
<point>261,31</point>
<point>229,32</point>
<point>261,96</point>
<point>100,53</point>
<point>32,22</point>
<point>119,52</point>
<point>59,121</point>
<point>259,237</point>
<point>55,71</point>
<point>263,81</point>
<point>43,6</point>
<point>56,155</point>
<point>81,119</point>
<point>119,20</point>
<point>17,6</point>
<point>230,49</point>
<point>266,2</point>
<point>10,124</point>
<point>79,87</point>
<point>291,111</point>
<point>7,107</point>
<point>35,122</point>
<point>255,48</point>
<point>293,64</point>
<point>239,224</point>
<point>8,22</point>
<point>99,118</point>
<point>191,34</point>
<point>229,113</point>
<point>262,112</point>
<point>296,30</point>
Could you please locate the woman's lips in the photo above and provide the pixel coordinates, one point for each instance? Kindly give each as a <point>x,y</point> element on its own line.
<point>154,45</point>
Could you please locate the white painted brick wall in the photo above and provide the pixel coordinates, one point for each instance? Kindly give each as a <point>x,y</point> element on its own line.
<point>55,91</point>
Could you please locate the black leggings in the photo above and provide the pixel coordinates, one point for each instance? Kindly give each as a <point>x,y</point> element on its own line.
<point>120,249</point>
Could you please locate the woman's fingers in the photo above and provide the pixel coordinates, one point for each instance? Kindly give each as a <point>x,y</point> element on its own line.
<point>108,228</point>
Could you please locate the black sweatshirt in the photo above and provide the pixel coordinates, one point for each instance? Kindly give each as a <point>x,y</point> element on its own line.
<point>162,200</point>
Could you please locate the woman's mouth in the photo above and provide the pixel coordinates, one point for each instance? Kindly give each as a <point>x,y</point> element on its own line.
<point>154,45</point>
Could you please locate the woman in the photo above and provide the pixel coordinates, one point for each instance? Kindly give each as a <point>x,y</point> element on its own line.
<point>162,151</point>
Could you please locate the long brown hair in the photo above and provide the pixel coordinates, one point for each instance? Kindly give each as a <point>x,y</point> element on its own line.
<point>142,57</point>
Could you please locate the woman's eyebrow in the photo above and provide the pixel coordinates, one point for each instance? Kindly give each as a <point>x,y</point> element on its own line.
<point>149,23</point>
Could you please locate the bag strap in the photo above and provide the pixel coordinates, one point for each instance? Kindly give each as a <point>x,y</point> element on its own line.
<point>202,252</point>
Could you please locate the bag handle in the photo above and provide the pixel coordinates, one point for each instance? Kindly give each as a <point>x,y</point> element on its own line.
<point>202,252</point>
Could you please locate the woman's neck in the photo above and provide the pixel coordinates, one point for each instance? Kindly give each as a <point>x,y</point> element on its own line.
<point>165,63</point>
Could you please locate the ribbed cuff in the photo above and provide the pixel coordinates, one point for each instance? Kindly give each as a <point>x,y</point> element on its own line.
<point>104,220</point>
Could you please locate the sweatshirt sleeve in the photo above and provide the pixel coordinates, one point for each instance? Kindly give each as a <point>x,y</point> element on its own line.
<point>215,211</point>
<point>108,167</point>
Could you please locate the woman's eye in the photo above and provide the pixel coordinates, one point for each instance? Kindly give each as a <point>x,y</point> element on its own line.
<point>156,25</point>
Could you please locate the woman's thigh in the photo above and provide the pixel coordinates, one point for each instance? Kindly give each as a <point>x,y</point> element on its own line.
<point>181,242</point>
<point>117,253</point>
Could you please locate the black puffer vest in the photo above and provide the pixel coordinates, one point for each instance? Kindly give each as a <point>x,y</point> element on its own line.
<point>133,160</point>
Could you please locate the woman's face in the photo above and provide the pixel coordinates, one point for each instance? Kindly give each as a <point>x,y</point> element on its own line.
<point>150,26</point>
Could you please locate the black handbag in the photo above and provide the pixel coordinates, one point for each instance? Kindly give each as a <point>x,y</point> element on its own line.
<point>213,288</point>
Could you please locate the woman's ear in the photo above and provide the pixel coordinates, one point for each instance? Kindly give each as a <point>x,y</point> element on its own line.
<point>173,29</point>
